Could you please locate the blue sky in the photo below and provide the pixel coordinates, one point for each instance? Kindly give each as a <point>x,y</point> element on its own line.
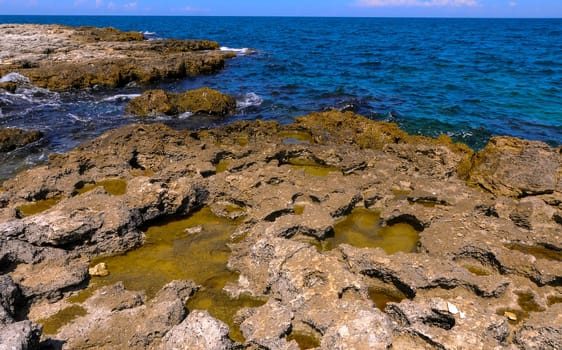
<point>367,8</point>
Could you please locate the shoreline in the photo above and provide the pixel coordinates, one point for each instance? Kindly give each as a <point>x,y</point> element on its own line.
<point>481,266</point>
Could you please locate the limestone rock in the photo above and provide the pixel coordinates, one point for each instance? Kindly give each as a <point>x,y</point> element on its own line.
<point>22,335</point>
<point>11,138</point>
<point>542,331</point>
<point>200,101</point>
<point>59,57</point>
<point>514,167</point>
<point>198,331</point>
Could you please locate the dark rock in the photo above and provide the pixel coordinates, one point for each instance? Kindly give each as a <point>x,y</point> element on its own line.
<point>200,101</point>
<point>542,330</point>
<point>10,298</point>
<point>11,139</point>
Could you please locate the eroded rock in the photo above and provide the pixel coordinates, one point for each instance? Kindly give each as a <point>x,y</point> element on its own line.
<point>11,138</point>
<point>199,101</point>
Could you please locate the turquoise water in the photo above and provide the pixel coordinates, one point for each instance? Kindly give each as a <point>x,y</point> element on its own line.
<point>469,78</point>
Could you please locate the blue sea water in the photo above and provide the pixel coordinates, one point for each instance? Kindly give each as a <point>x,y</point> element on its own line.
<point>469,78</point>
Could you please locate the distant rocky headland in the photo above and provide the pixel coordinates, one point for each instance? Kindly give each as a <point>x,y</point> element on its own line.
<point>333,232</point>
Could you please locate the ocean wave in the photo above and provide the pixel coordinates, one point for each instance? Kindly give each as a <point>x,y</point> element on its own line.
<point>251,99</point>
<point>240,52</point>
<point>120,97</point>
<point>15,78</point>
<point>78,118</point>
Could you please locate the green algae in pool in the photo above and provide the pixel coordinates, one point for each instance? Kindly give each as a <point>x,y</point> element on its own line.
<point>554,299</point>
<point>222,166</point>
<point>382,294</point>
<point>312,168</point>
<point>170,252</point>
<point>295,137</point>
<point>363,229</point>
<point>38,206</point>
<point>52,324</point>
<point>537,251</point>
<point>305,341</point>
<point>114,187</point>
<point>526,301</point>
<point>477,270</point>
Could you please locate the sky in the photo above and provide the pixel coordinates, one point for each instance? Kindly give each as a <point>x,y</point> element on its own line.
<point>344,8</point>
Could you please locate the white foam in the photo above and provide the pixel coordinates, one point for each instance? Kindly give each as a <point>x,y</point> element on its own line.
<point>185,115</point>
<point>242,51</point>
<point>146,32</point>
<point>121,97</point>
<point>15,78</point>
<point>78,118</point>
<point>250,99</point>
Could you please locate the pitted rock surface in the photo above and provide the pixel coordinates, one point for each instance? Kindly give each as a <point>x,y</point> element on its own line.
<point>484,250</point>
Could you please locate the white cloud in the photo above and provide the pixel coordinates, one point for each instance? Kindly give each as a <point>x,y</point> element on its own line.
<point>417,3</point>
<point>130,6</point>
<point>111,5</point>
<point>513,4</point>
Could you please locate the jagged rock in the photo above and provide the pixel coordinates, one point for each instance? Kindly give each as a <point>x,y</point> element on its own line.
<point>476,250</point>
<point>198,331</point>
<point>541,331</point>
<point>50,278</point>
<point>513,167</point>
<point>10,297</point>
<point>107,324</point>
<point>58,57</point>
<point>204,100</point>
<point>11,138</point>
<point>22,335</point>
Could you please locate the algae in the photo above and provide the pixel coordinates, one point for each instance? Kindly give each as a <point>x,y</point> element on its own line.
<point>554,299</point>
<point>304,340</point>
<point>295,137</point>
<point>477,270</point>
<point>312,168</point>
<point>222,166</point>
<point>38,206</point>
<point>171,252</point>
<point>364,228</point>
<point>382,294</point>
<point>114,187</point>
<point>526,301</point>
<point>537,251</point>
<point>52,324</point>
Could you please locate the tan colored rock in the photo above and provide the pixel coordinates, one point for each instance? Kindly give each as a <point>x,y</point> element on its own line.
<point>59,57</point>
<point>200,101</point>
<point>513,167</point>
<point>99,270</point>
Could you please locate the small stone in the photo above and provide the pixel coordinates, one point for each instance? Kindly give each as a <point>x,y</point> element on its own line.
<point>510,315</point>
<point>100,270</point>
<point>193,230</point>
<point>452,308</point>
<point>462,315</point>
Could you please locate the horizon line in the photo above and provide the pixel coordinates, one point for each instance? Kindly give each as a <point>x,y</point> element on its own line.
<point>269,16</point>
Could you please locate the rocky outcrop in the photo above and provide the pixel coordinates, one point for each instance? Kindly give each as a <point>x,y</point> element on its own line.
<point>199,101</point>
<point>58,57</point>
<point>482,271</point>
<point>12,138</point>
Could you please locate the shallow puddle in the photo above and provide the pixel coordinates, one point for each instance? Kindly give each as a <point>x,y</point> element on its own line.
<point>527,302</point>
<point>381,295</point>
<point>537,251</point>
<point>188,248</point>
<point>38,206</point>
<point>312,168</point>
<point>554,299</point>
<point>114,187</point>
<point>295,137</point>
<point>222,166</point>
<point>363,229</point>
<point>513,316</point>
<point>305,341</point>
<point>52,324</point>
<point>477,270</point>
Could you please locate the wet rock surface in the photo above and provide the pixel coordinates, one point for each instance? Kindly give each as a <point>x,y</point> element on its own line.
<point>484,273</point>
<point>12,138</point>
<point>199,101</point>
<point>59,57</point>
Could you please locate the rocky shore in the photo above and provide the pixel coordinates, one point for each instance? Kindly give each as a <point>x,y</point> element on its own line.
<point>58,57</point>
<point>333,232</point>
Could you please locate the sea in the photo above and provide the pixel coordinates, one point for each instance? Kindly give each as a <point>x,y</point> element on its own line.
<point>468,78</point>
